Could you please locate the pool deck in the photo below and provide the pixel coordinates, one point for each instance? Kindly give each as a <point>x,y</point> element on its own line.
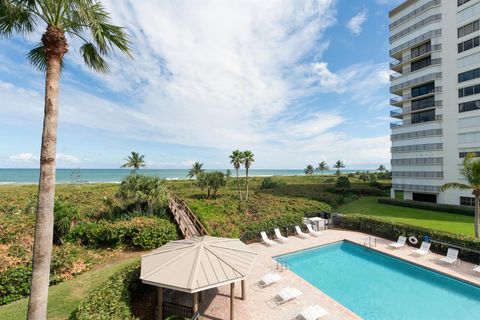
<point>259,304</point>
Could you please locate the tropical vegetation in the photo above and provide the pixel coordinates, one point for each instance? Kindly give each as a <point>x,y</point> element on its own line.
<point>322,166</point>
<point>211,181</point>
<point>85,22</point>
<point>196,170</point>
<point>339,165</point>
<point>237,160</point>
<point>471,172</point>
<point>308,170</point>
<point>135,160</point>
<point>247,163</point>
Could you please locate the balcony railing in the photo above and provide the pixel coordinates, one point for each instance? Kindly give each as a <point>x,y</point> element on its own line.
<point>416,81</point>
<point>395,113</point>
<point>408,122</point>
<point>434,62</point>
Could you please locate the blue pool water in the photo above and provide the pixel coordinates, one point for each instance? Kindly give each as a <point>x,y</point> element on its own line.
<point>378,287</point>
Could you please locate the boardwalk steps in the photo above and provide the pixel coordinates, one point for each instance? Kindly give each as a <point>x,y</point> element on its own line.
<point>185,219</point>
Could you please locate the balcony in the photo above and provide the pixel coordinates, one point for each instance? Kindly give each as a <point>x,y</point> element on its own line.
<point>408,122</point>
<point>396,114</point>
<point>404,72</point>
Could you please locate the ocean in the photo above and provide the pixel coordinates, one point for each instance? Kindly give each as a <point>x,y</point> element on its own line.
<point>27,176</point>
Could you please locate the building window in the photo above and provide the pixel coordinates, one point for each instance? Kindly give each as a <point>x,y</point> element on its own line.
<point>460,2</point>
<point>468,91</point>
<point>469,44</point>
<point>467,201</point>
<point>420,64</point>
<point>469,106</point>
<point>464,154</point>
<point>423,103</point>
<point>424,89</point>
<point>421,49</point>
<point>424,116</point>
<point>469,28</point>
<point>469,75</point>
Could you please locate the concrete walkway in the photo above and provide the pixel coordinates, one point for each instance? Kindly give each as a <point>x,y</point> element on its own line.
<point>259,306</point>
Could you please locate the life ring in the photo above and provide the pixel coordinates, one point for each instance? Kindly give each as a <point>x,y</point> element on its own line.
<point>412,240</point>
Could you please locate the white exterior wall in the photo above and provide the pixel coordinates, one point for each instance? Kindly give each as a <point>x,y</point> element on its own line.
<point>460,131</point>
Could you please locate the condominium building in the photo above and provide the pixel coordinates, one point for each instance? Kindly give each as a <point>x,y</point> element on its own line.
<point>435,46</point>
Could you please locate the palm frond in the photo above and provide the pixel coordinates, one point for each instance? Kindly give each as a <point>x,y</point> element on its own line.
<point>16,17</point>
<point>37,58</point>
<point>93,58</point>
<point>455,185</point>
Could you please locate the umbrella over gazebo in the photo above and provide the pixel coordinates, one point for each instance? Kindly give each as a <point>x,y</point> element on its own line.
<point>197,264</point>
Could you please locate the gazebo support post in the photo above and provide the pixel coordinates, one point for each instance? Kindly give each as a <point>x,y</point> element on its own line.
<point>159,303</point>
<point>244,290</point>
<point>232,300</point>
<point>195,302</point>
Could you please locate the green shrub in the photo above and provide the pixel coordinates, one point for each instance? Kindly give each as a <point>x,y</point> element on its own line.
<point>269,183</point>
<point>65,215</point>
<point>285,222</point>
<point>112,299</point>
<point>463,210</point>
<point>343,183</point>
<point>15,283</point>
<point>392,230</point>
<point>140,232</point>
<point>211,181</point>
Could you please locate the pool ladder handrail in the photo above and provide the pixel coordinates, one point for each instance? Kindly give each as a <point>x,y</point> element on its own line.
<point>282,263</point>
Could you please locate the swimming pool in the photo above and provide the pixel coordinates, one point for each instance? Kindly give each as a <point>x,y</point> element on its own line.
<point>376,286</point>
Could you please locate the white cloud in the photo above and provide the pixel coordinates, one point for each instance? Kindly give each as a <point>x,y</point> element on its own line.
<point>67,159</point>
<point>216,74</point>
<point>355,24</point>
<point>23,157</point>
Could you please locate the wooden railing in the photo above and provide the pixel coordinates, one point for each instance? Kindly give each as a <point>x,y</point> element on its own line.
<point>186,220</point>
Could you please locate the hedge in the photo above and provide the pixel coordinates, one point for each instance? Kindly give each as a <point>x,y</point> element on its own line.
<point>392,230</point>
<point>141,232</point>
<point>15,283</point>
<point>112,299</point>
<point>463,210</point>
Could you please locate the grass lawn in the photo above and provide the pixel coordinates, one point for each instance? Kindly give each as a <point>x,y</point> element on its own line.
<point>442,221</point>
<point>65,297</point>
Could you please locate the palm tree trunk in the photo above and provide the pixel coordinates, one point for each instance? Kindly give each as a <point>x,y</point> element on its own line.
<point>55,46</point>
<point>246,182</point>
<point>476,219</point>
<point>238,186</point>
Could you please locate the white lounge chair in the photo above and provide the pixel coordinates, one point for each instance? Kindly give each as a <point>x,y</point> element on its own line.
<point>300,233</point>
<point>269,279</point>
<point>477,269</point>
<point>400,242</point>
<point>312,312</point>
<point>451,257</point>
<point>265,239</point>
<point>313,232</point>
<point>287,294</point>
<point>279,236</point>
<point>424,249</point>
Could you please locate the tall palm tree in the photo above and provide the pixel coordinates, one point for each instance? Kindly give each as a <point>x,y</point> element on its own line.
<point>339,165</point>
<point>135,160</point>
<point>471,173</point>
<point>195,170</point>
<point>87,21</point>
<point>381,168</point>
<point>308,170</point>
<point>322,166</point>
<point>236,159</point>
<point>247,162</point>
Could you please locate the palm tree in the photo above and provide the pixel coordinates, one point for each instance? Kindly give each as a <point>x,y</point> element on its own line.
<point>247,162</point>
<point>322,166</point>
<point>308,170</point>
<point>135,160</point>
<point>471,173</point>
<point>87,21</point>
<point>236,158</point>
<point>339,165</point>
<point>381,168</point>
<point>195,170</point>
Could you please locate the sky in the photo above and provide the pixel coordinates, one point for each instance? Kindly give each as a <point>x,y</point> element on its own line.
<point>297,82</point>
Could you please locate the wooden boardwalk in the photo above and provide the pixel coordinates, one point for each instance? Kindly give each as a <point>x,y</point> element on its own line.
<point>185,219</point>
